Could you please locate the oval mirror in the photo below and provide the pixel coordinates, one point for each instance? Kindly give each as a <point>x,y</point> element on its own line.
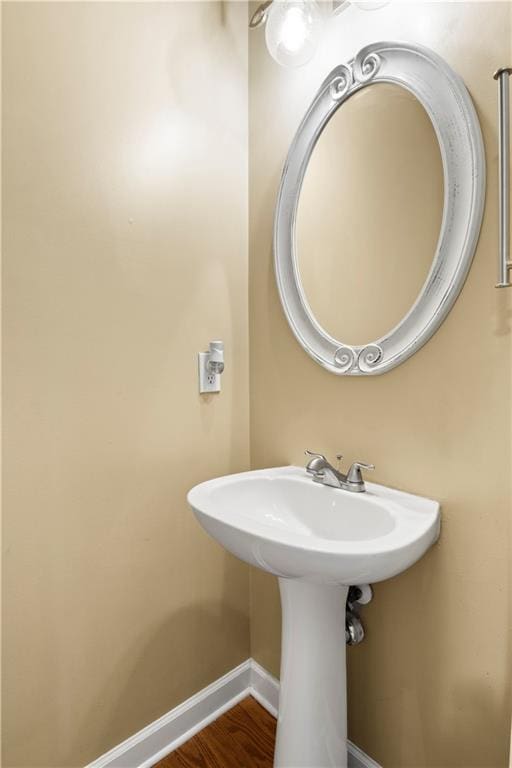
<point>379,208</point>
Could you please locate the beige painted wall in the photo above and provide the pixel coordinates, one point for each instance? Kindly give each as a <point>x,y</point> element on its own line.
<point>121,262</point>
<point>429,687</point>
<point>114,234</point>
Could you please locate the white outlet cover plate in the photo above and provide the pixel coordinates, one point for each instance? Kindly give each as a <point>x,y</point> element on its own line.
<point>208,382</point>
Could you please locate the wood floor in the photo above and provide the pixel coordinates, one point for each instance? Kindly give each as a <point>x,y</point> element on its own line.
<point>241,738</point>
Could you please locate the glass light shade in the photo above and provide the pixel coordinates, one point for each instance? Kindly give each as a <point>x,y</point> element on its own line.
<point>293,31</point>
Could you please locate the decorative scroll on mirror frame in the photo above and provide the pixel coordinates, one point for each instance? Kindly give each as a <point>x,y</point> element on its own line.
<point>447,102</point>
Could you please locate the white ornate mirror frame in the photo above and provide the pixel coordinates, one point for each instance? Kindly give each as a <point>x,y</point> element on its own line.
<point>447,102</point>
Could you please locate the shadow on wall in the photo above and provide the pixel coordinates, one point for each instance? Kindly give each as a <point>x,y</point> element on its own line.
<point>167,664</point>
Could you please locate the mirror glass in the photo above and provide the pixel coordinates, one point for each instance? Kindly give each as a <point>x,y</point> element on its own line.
<point>370,213</point>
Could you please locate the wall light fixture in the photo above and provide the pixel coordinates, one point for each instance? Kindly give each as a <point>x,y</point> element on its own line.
<point>293,28</point>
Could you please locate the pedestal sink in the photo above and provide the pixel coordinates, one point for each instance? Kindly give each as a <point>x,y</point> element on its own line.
<point>318,541</point>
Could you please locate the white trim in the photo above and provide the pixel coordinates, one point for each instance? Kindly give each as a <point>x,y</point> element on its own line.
<point>358,759</point>
<point>264,688</point>
<point>158,739</point>
<point>164,735</point>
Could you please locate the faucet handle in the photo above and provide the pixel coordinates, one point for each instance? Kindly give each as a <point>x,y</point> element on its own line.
<point>316,464</point>
<point>354,473</point>
<point>314,455</point>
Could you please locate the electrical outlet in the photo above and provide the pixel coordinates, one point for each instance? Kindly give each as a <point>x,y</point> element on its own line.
<point>208,382</point>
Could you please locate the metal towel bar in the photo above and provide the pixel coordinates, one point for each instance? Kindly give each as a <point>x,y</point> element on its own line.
<point>505,264</point>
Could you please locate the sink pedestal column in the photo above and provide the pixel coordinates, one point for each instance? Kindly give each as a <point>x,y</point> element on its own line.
<point>312,724</point>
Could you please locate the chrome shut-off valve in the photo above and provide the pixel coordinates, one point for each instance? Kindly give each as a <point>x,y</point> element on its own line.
<point>358,595</point>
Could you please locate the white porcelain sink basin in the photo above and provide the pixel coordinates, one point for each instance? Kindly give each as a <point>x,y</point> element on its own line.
<point>318,540</point>
<point>281,521</point>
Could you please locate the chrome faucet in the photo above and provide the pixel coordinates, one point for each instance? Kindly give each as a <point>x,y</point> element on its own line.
<point>326,474</point>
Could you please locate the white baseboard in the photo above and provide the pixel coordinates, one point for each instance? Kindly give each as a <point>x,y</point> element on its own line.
<point>164,735</point>
<point>158,739</point>
<point>264,688</point>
